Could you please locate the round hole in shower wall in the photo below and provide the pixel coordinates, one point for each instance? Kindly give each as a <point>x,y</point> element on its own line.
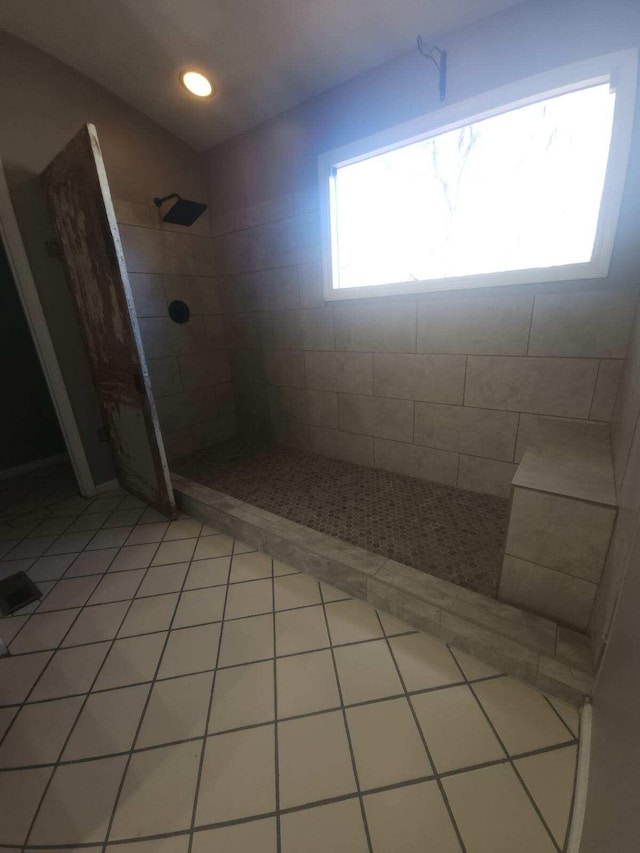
<point>179,311</point>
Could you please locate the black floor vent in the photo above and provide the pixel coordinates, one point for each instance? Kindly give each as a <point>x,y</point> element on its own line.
<point>17,591</point>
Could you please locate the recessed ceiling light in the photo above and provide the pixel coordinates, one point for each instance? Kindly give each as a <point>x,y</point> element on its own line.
<point>197,84</point>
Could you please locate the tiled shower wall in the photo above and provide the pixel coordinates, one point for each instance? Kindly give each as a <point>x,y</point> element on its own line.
<point>443,386</point>
<point>188,363</point>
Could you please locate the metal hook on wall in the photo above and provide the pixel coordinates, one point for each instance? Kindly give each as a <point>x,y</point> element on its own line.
<point>440,63</point>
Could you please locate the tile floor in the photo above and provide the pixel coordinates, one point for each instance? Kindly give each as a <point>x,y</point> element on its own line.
<point>446,531</point>
<point>176,691</point>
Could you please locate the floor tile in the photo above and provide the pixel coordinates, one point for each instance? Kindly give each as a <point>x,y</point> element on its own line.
<point>71,671</point>
<point>144,533</point>
<point>18,675</point>
<point>92,521</point>
<point>78,804</point>
<point>367,671</point>
<point>70,542</point>
<point>242,547</point>
<point>190,650</point>
<point>45,588</point>
<point>332,593</point>
<point>569,714</point>
<point>337,827</point>
<point>238,775</point>
<point>112,538</point>
<point>10,626</point>
<point>50,568</point>
<point>151,516</point>
<point>549,777</point>
<point>306,683</point>
<point>250,567</point>
<point>249,599</point>
<point>457,732</point>
<point>69,593</point>
<point>6,718</point>
<point>131,661</point>
<point>20,794</point>
<point>92,562</point>
<point>301,630</point>
<point>43,631</point>
<point>32,548</point>
<point>162,579</point>
<point>179,551</point>
<point>393,626</point>
<point>522,717</point>
<point>314,762</point>
<point>214,546</point>
<point>472,667</point>
<point>400,820</point>
<point>246,640</point>
<point>170,844</point>
<point>199,606</point>
<point>187,528</point>
<point>95,624</point>
<point>108,723</point>
<point>177,710</point>
<point>242,696</point>
<point>296,591</point>
<point>122,517</point>
<point>211,572</point>
<point>133,557</point>
<point>117,587</point>
<point>158,791</point>
<point>424,662</point>
<point>251,837</point>
<point>351,622</point>
<point>38,733</point>
<point>386,744</point>
<point>149,614</point>
<point>51,527</point>
<point>104,504</point>
<point>485,826</point>
<point>280,568</point>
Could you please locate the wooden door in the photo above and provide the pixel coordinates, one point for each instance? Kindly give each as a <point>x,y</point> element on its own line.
<point>80,204</point>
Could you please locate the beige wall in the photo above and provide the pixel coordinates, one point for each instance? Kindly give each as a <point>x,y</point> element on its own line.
<point>42,105</point>
<point>447,386</point>
<point>187,362</point>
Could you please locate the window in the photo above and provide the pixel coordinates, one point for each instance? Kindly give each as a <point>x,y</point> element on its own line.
<point>492,191</point>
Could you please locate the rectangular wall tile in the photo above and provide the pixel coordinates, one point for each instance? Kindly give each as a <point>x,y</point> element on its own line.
<point>436,378</point>
<point>495,325</point>
<point>132,213</point>
<point>545,386</point>
<point>165,376</point>
<point>148,295</point>
<point>479,432</point>
<point>317,408</point>
<point>594,324</point>
<point>342,445</point>
<point>201,293</point>
<point>317,329</point>
<point>485,475</point>
<point>377,416</point>
<point>528,429</point>
<point>541,590</point>
<point>143,249</point>
<point>247,366</point>
<point>424,462</point>
<point>284,368</point>
<point>564,534</point>
<point>204,368</point>
<point>246,331</point>
<point>385,327</point>
<point>349,372</point>
<point>310,284</point>
<point>607,384</point>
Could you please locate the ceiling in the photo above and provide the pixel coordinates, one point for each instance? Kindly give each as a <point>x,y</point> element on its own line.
<point>264,56</point>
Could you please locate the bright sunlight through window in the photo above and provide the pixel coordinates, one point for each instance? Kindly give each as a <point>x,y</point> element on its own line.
<point>516,191</point>
<point>513,194</point>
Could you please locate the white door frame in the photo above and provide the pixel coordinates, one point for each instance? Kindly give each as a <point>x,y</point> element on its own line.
<point>23,278</point>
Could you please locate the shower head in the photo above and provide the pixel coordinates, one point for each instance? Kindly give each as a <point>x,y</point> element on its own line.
<point>183,212</point>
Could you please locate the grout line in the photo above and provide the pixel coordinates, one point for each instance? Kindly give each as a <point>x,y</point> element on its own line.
<point>275,713</point>
<point>346,724</point>
<point>436,774</point>
<point>558,715</point>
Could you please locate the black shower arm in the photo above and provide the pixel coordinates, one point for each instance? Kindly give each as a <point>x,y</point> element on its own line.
<point>159,201</point>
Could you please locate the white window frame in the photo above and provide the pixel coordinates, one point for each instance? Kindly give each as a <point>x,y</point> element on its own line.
<point>618,69</point>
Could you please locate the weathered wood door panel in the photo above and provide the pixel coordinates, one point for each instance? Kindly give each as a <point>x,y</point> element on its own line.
<point>80,203</point>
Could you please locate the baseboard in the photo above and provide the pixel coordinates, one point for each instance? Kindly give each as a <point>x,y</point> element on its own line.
<point>47,462</point>
<point>582,779</point>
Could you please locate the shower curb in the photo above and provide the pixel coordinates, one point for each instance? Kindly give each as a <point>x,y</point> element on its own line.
<point>531,648</point>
